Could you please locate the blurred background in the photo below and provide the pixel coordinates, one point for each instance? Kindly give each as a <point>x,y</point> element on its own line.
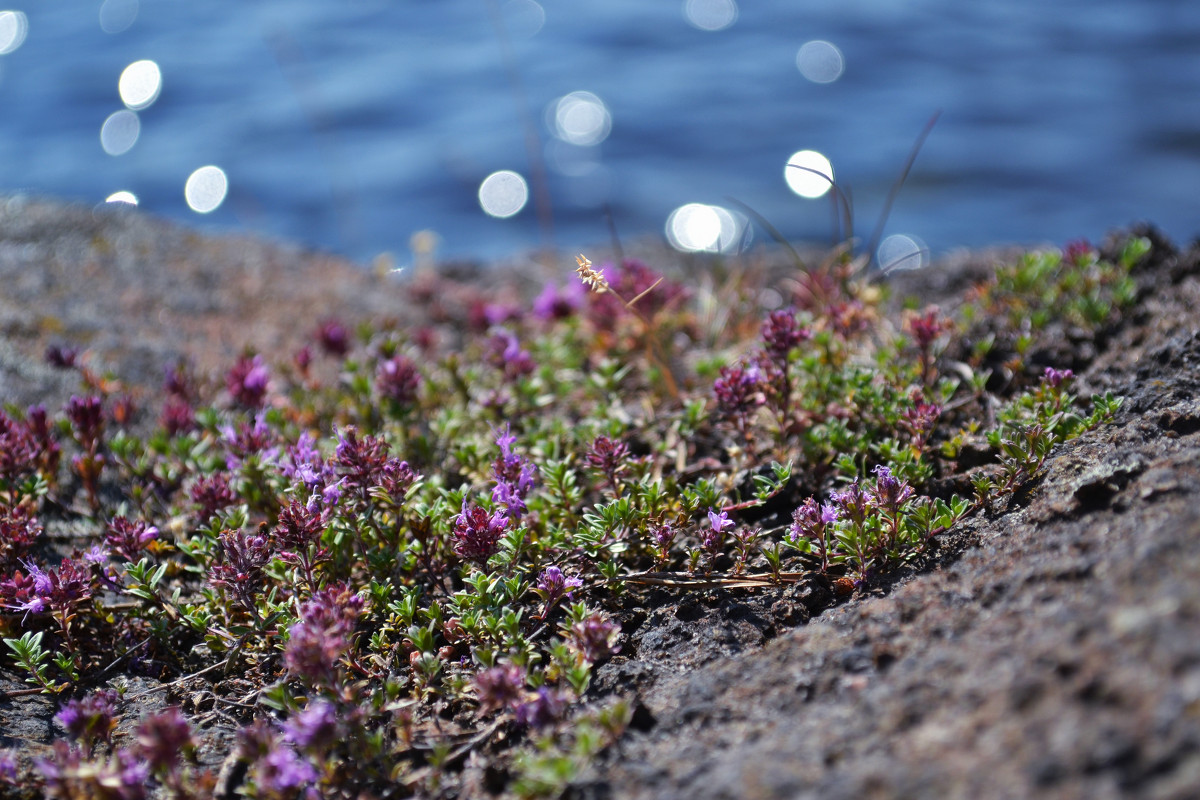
<point>505,125</point>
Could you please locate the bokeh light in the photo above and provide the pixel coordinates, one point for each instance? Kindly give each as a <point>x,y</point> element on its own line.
<point>524,18</point>
<point>14,26</point>
<point>128,198</point>
<point>504,193</point>
<point>820,61</point>
<point>120,132</point>
<point>701,228</point>
<point>901,251</point>
<point>140,84</point>
<point>205,189</point>
<point>579,118</point>
<point>808,173</point>
<point>710,15</point>
<point>117,15</point>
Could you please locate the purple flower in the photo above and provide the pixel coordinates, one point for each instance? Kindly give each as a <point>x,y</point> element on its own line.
<point>360,462</point>
<point>1054,378</point>
<point>243,558</point>
<point>18,448</point>
<point>890,493</point>
<point>212,493</point>
<point>333,337</point>
<point>559,302</point>
<point>322,635</point>
<point>68,774</point>
<point>315,728</point>
<point>164,738</point>
<point>396,478</point>
<point>608,457</point>
<point>397,380</point>
<point>247,381</point>
<point>304,462</point>
<point>553,585</point>
<point>332,493</point>
<point>853,503</point>
<point>739,391</point>
<point>514,476</point>
<point>927,327</point>
<point>87,419</point>
<point>500,687</point>
<point>128,539</point>
<point>781,334</point>
<point>543,710</point>
<point>298,536</point>
<point>921,418</point>
<point>90,720</point>
<point>96,554</point>
<point>8,768</point>
<point>505,352</point>
<point>61,356</point>
<point>178,382</point>
<point>177,416</point>
<point>719,521</point>
<point>595,637</point>
<point>18,530</point>
<point>249,439</point>
<point>41,580</point>
<point>811,524</point>
<point>283,773</point>
<point>477,536</point>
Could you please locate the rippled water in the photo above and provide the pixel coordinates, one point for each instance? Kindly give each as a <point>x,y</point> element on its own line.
<point>352,124</point>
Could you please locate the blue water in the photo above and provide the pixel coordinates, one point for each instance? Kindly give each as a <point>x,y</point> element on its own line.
<point>350,124</point>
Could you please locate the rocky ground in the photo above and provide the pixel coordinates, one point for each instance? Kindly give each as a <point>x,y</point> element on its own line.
<point>1051,649</point>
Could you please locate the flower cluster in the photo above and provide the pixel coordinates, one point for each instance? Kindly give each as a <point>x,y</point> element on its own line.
<point>500,687</point>
<point>18,448</point>
<point>594,637</point>
<point>322,635</point>
<point>514,476</point>
<point>553,586</point>
<point>739,392</point>
<point>127,539</point>
<point>505,353</point>
<point>19,528</point>
<point>247,381</point>
<point>477,534</point>
<point>333,337</point>
<point>782,333</point>
<point>91,720</point>
<point>240,569</point>
<point>360,462</point>
<point>397,380</point>
<point>610,458</point>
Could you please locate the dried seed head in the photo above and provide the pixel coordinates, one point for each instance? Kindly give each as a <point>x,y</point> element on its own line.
<point>590,277</point>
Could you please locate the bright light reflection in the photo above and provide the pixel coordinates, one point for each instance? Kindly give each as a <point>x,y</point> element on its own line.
<point>711,15</point>
<point>579,118</point>
<point>120,132</point>
<point>901,252</point>
<point>122,197</point>
<point>808,173</point>
<point>140,84</point>
<point>117,15</point>
<point>206,189</point>
<point>820,61</point>
<point>525,18</point>
<point>14,26</point>
<point>502,194</point>
<point>696,228</point>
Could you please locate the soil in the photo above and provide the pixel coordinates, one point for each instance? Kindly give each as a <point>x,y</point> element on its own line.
<point>1049,648</point>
